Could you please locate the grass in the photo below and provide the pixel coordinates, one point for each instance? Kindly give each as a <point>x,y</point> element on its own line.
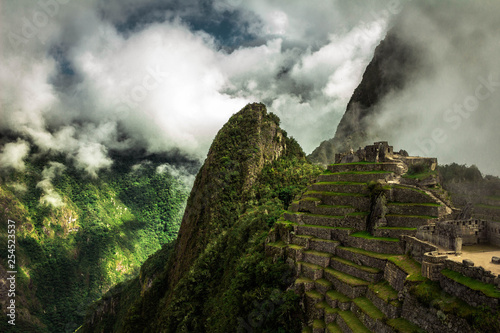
<point>353,322</point>
<point>427,217</point>
<point>324,283</point>
<point>334,206</point>
<point>321,215</point>
<point>428,204</point>
<point>352,264</point>
<point>320,254</point>
<point>318,324</point>
<point>493,197</point>
<point>339,183</point>
<point>357,172</point>
<point>303,279</point>
<point>397,228</point>
<point>367,235</point>
<point>409,266</point>
<point>333,328</point>
<point>359,214</point>
<point>346,278</point>
<point>309,199</point>
<point>280,244</point>
<point>385,292</point>
<point>309,265</point>
<point>410,188</point>
<point>326,241</point>
<point>367,253</point>
<point>314,294</point>
<point>295,247</point>
<point>307,330</point>
<point>333,194</point>
<point>488,289</point>
<point>325,227</point>
<point>336,295</point>
<point>404,326</point>
<point>367,307</point>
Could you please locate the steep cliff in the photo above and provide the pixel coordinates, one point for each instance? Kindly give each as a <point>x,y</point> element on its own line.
<point>216,278</point>
<point>393,63</point>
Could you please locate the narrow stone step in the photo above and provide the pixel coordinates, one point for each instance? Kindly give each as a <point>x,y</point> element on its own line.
<point>348,322</point>
<point>340,187</point>
<point>394,232</point>
<point>356,176</point>
<point>336,299</point>
<point>368,314</point>
<point>366,273</point>
<point>323,285</point>
<point>303,284</point>
<point>318,258</point>
<point>294,252</point>
<point>322,232</point>
<point>331,210</point>
<point>319,326</point>
<point>359,201</point>
<point>411,208</point>
<point>385,298</point>
<point>368,242</point>
<point>363,167</point>
<point>326,312</point>
<point>356,220</point>
<point>301,240</point>
<point>409,221</point>
<point>349,285</point>
<point>402,325</point>
<point>309,270</point>
<point>323,245</point>
<point>363,257</point>
<point>333,328</point>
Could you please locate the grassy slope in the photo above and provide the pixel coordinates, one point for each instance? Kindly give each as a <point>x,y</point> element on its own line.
<point>69,255</point>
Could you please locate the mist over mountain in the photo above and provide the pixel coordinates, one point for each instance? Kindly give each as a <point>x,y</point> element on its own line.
<point>437,90</point>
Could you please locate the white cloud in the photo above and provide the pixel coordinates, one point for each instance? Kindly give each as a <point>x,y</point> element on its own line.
<point>13,155</point>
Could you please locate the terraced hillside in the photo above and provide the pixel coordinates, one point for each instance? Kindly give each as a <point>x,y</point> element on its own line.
<point>346,239</point>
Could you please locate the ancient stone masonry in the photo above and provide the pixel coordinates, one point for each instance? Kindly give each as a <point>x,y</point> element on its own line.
<point>348,236</point>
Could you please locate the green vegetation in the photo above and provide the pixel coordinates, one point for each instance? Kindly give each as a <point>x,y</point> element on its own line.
<point>340,183</point>
<point>335,193</point>
<point>314,294</point>
<point>429,204</point>
<point>333,328</point>
<point>397,228</point>
<point>384,291</point>
<point>356,163</point>
<point>367,235</point>
<point>374,172</point>
<point>367,307</point>
<point>409,266</point>
<point>487,206</point>
<point>427,217</point>
<point>420,172</point>
<point>96,234</point>
<point>430,294</point>
<point>352,264</point>
<point>367,253</point>
<point>349,279</point>
<point>489,290</point>
<point>319,324</point>
<point>336,295</point>
<point>353,322</point>
<point>404,326</point>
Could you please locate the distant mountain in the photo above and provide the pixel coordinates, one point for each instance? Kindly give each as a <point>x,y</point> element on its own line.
<point>393,63</point>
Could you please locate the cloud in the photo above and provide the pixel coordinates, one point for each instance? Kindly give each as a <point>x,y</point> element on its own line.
<point>449,109</point>
<point>50,196</point>
<point>156,75</point>
<point>182,174</point>
<point>13,155</point>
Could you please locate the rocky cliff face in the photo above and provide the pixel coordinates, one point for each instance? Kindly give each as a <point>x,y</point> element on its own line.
<point>393,63</point>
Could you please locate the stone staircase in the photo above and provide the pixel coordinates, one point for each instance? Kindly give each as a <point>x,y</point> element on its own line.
<point>350,278</point>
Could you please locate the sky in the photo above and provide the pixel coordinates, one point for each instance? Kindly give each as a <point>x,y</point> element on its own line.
<point>85,78</point>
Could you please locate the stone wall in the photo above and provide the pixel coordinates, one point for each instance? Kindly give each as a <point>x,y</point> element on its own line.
<point>395,276</point>
<point>375,245</point>
<point>472,297</point>
<point>493,233</point>
<point>416,247</point>
<point>431,319</point>
<point>408,194</point>
<point>474,272</point>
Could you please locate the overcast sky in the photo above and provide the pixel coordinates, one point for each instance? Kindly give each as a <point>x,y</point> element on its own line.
<point>87,77</point>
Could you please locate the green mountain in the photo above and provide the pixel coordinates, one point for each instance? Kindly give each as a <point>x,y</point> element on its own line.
<point>77,236</point>
<point>217,277</point>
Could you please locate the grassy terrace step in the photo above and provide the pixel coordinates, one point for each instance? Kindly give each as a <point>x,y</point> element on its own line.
<point>309,265</point>
<point>488,289</point>
<point>429,204</point>
<point>363,268</point>
<point>319,324</point>
<point>337,296</point>
<point>367,253</point>
<point>346,278</point>
<point>307,330</point>
<point>314,294</point>
<point>335,194</point>
<point>353,322</point>
<point>368,308</point>
<point>328,172</point>
<point>409,266</point>
<point>303,279</point>
<point>404,326</point>
<point>340,183</point>
<point>426,217</point>
<point>384,291</point>
<point>279,244</point>
<point>333,328</point>
<point>367,235</point>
